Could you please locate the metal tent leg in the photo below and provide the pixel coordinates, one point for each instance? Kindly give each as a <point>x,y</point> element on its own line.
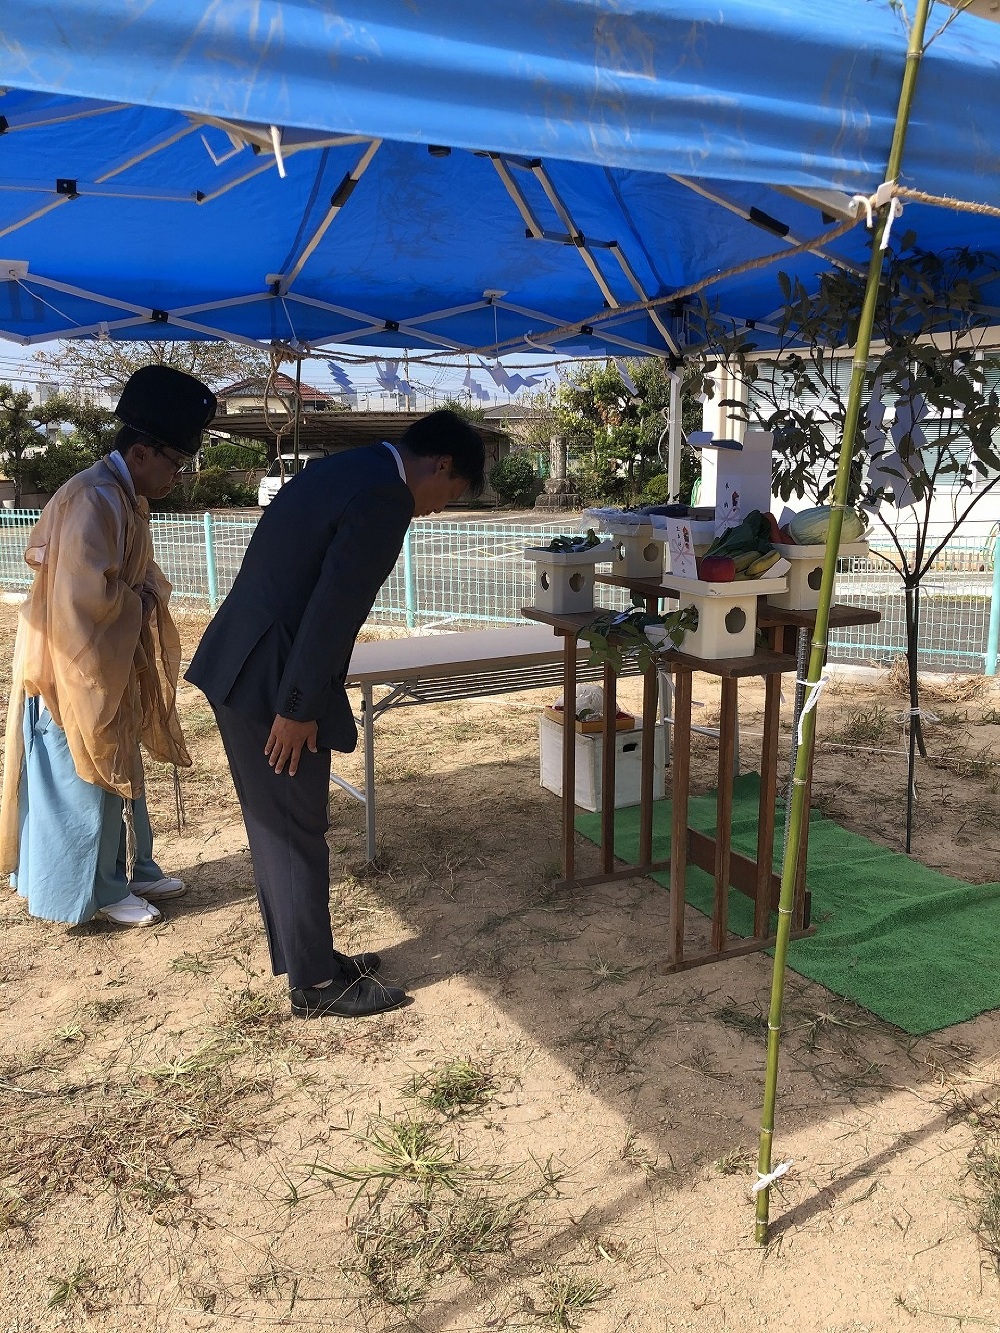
<point>368,731</point>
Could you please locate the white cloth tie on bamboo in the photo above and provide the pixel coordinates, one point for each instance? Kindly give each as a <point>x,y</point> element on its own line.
<point>813,689</point>
<point>765,1182</point>
<point>276,147</point>
<point>885,194</point>
<point>895,211</point>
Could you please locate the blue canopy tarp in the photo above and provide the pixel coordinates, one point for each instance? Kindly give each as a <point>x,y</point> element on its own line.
<point>459,176</point>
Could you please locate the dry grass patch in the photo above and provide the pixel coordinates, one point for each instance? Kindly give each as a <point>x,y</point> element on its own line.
<point>565,1297</point>
<point>121,1128</point>
<point>982,1115</point>
<point>455,1088</point>
<point>424,1210</point>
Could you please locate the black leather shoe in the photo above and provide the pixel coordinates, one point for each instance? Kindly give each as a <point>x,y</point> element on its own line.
<point>358,964</point>
<point>347,999</point>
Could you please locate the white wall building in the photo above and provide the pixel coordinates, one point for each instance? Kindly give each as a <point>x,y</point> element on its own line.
<point>951,498</point>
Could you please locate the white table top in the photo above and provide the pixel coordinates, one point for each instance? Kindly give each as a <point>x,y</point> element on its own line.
<point>387,661</point>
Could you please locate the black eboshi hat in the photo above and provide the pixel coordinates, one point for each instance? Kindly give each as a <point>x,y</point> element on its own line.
<point>168,405</point>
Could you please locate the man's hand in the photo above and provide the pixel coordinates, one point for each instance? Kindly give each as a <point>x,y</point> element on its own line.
<point>284,745</point>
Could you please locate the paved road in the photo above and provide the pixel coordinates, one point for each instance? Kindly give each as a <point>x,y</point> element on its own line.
<point>475,573</point>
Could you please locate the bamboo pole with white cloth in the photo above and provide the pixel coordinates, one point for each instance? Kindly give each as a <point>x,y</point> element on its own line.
<point>887,208</point>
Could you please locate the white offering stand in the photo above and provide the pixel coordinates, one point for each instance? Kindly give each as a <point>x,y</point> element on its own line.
<point>727,614</point>
<point>564,580</point>
<point>638,550</point>
<point>806,573</point>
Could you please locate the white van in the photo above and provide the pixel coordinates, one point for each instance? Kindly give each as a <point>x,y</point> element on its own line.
<point>284,467</point>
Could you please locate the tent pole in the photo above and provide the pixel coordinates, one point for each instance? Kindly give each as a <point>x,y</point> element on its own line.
<point>298,412</point>
<point>674,438</point>
<point>817,654</point>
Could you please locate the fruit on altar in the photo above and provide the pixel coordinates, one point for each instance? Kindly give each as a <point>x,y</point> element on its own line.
<point>762,564</point>
<point>744,560</point>
<point>717,569</point>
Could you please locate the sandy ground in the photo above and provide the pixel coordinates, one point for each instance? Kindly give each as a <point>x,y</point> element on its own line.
<point>554,1135</point>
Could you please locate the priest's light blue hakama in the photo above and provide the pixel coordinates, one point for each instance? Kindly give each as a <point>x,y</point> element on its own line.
<point>72,848</point>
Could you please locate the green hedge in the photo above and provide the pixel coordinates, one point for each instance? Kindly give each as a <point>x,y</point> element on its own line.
<point>514,479</point>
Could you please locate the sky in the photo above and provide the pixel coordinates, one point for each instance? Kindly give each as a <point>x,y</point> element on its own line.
<point>431,383</point>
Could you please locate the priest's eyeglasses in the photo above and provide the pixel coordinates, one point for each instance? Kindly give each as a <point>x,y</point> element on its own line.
<point>178,464</point>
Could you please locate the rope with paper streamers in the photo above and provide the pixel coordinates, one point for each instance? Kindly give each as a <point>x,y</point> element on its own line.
<point>679,293</point>
<point>889,192</point>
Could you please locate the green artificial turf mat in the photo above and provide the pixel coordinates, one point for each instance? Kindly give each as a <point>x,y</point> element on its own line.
<point>907,943</point>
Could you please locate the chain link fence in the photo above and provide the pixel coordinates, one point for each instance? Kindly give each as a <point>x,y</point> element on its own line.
<point>468,574</point>
<point>958,627</point>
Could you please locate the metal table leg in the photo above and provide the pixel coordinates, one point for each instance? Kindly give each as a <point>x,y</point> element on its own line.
<point>569,758</point>
<point>368,720</point>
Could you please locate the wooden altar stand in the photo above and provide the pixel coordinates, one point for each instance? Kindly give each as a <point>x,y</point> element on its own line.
<point>714,854</point>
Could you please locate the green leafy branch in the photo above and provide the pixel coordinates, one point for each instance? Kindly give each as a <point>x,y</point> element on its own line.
<point>617,635</point>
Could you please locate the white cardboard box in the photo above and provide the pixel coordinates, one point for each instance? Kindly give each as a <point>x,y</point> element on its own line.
<point>746,471</point>
<point>589,756</point>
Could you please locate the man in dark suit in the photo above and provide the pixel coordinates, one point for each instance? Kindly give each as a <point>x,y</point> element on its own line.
<point>273,663</point>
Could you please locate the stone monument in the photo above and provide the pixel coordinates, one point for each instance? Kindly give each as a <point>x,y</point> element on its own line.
<point>560,492</point>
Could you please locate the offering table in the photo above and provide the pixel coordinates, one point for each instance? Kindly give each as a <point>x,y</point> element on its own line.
<point>777,624</point>
<point>754,878</point>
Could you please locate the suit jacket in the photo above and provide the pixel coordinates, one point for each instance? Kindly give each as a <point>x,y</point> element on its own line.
<point>281,642</point>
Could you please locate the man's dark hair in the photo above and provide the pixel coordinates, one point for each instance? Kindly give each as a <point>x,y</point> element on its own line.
<point>127,436</point>
<point>446,433</point>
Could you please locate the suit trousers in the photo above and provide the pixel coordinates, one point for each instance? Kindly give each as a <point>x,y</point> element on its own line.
<point>286,820</point>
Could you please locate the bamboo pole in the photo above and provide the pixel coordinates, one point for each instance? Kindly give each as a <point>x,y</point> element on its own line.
<point>803,758</point>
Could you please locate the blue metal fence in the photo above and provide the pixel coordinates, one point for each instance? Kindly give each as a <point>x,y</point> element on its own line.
<point>453,574</point>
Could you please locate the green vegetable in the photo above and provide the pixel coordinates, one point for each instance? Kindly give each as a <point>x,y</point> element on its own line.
<point>811,526</point>
<point>577,543</point>
<point>753,534</point>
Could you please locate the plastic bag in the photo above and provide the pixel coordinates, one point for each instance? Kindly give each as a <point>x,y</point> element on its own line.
<point>589,703</point>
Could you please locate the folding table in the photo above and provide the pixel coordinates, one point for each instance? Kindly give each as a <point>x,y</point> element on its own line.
<point>442,668</point>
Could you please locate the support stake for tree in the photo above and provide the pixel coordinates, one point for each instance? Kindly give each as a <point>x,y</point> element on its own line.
<point>912,639</point>
<point>817,655</point>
